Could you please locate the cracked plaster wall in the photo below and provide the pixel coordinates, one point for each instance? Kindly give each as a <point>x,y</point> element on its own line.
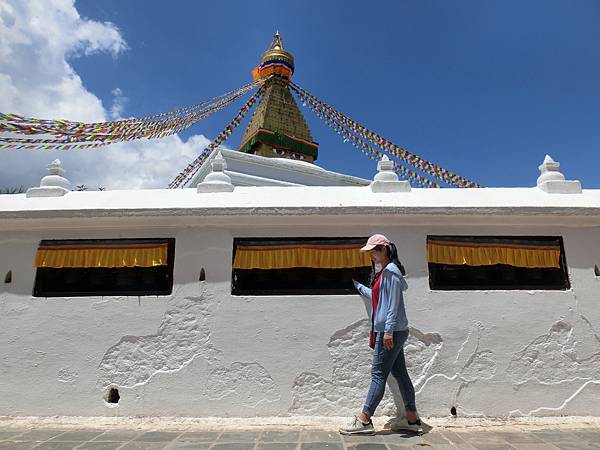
<point>201,351</point>
<point>345,388</point>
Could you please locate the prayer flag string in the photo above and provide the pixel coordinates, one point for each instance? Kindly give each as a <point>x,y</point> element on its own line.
<point>402,154</point>
<point>15,132</point>
<point>64,135</point>
<point>188,173</point>
<point>371,152</point>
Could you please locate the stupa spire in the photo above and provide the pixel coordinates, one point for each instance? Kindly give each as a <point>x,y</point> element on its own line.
<point>278,128</point>
<point>276,53</point>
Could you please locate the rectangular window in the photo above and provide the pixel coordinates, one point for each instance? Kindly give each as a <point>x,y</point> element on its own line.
<point>295,266</point>
<point>89,267</point>
<point>496,263</point>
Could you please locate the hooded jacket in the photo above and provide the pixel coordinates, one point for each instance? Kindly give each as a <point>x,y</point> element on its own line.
<point>390,315</point>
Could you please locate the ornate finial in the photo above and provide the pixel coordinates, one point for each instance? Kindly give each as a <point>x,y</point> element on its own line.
<point>277,53</point>
<point>217,180</point>
<point>218,164</point>
<point>55,168</point>
<point>553,182</point>
<point>549,171</point>
<point>276,44</point>
<point>52,185</point>
<point>386,180</point>
<point>386,169</point>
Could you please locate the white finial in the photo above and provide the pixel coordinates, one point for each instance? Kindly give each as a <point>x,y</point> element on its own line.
<point>552,181</point>
<point>549,170</point>
<point>386,180</point>
<point>52,185</point>
<point>54,168</point>
<point>218,164</point>
<point>384,165</point>
<point>217,180</point>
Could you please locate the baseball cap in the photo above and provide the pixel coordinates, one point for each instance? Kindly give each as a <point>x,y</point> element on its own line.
<point>374,241</point>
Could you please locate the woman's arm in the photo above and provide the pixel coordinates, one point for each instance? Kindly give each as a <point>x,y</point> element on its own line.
<point>394,287</point>
<point>362,290</point>
<point>365,294</point>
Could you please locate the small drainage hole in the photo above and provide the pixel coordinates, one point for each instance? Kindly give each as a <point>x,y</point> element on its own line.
<point>8,277</point>
<point>113,396</point>
<point>596,270</point>
<point>453,411</point>
<point>202,276</point>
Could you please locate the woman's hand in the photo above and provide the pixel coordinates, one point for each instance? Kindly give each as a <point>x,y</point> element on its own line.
<point>388,341</point>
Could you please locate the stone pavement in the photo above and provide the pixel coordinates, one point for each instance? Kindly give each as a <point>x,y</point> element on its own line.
<point>42,438</point>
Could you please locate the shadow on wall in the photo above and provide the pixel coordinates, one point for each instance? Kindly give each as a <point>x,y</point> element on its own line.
<point>345,392</point>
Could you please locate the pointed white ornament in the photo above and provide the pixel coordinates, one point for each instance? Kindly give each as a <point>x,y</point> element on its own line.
<point>386,180</point>
<point>52,185</point>
<point>217,180</point>
<point>553,182</point>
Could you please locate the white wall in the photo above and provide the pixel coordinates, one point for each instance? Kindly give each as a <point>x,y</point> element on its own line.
<point>202,352</point>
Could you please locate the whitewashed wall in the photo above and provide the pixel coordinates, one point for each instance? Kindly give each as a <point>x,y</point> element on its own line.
<point>203,352</point>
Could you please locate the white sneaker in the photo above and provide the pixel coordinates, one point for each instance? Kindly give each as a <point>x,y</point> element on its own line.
<point>357,427</point>
<point>404,425</point>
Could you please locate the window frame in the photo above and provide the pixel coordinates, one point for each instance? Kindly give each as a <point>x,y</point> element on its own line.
<point>435,285</point>
<point>237,292</point>
<point>37,291</point>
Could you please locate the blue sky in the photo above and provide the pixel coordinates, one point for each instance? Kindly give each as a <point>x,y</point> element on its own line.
<point>483,88</point>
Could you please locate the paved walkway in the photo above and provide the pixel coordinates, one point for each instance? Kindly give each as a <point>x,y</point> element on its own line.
<point>446,438</point>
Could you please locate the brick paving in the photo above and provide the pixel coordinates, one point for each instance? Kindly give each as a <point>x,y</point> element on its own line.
<point>442,439</point>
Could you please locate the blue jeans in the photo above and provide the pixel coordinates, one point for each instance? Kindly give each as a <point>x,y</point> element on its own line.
<point>384,362</point>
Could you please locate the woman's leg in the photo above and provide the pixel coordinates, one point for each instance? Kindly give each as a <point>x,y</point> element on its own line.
<point>400,373</point>
<point>383,361</point>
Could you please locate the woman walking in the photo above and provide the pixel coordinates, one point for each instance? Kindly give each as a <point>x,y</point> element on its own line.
<point>389,331</point>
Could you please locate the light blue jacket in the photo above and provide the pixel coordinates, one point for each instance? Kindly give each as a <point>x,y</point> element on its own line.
<point>390,315</point>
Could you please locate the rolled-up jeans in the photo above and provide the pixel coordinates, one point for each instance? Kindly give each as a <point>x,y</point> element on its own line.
<point>384,362</point>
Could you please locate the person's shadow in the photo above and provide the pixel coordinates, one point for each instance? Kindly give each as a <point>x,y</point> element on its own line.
<point>395,424</point>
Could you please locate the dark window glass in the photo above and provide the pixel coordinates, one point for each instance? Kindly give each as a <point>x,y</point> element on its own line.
<point>81,282</point>
<point>297,281</point>
<point>500,276</point>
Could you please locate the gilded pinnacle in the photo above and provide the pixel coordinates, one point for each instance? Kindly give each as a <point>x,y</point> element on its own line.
<point>277,53</point>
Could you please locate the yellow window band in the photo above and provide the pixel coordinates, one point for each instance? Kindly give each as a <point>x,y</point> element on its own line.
<point>82,256</point>
<point>292,256</point>
<point>444,252</point>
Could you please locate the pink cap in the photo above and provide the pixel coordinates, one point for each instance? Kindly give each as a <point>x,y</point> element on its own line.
<point>375,240</point>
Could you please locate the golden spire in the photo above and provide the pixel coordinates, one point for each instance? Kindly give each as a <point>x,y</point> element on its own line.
<point>277,128</point>
<point>277,53</point>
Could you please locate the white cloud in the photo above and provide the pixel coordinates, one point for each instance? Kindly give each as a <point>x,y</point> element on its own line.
<point>118,104</point>
<point>37,38</point>
<point>131,165</point>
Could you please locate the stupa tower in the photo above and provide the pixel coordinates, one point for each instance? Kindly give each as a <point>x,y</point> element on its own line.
<point>278,128</point>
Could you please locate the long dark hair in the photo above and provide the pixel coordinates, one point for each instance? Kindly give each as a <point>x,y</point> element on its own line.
<point>392,254</point>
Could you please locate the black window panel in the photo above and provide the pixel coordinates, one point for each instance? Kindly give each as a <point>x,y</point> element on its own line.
<point>501,276</point>
<point>84,282</point>
<point>297,281</point>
